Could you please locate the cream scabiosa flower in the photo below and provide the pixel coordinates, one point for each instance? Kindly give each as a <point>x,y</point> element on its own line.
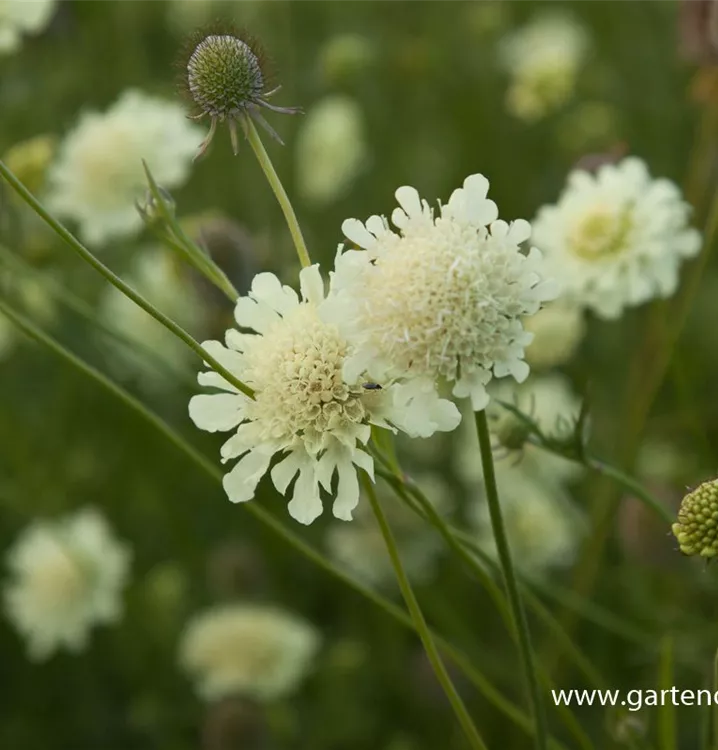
<point>331,149</point>
<point>443,296</point>
<point>18,17</point>
<point>616,239</point>
<point>304,406</point>
<point>255,650</point>
<point>67,576</point>
<point>544,59</point>
<point>98,173</point>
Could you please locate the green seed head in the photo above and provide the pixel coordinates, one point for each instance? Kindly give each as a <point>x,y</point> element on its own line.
<point>224,76</point>
<point>697,526</point>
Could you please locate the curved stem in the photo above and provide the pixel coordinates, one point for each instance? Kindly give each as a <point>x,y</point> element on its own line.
<point>512,589</point>
<point>632,485</point>
<point>281,194</point>
<point>486,688</point>
<point>420,623</point>
<point>117,282</point>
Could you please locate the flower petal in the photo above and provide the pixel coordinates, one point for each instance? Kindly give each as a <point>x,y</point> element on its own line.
<point>241,483</point>
<point>217,412</point>
<point>311,284</point>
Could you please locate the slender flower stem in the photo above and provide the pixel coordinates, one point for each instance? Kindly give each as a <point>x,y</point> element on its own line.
<point>281,194</point>
<point>420,623</point>
<point>512,589</point>
<point>175,238</point>
<point>117,282</point>
<point>496,698</point>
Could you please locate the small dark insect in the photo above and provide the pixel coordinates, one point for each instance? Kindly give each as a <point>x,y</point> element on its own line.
<point>372,386</point>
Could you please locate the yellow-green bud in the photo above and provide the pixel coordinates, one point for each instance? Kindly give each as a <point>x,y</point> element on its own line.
<point>697,526</point>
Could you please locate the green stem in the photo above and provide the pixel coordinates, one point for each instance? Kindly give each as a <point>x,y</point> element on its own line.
<point>420,623</point>
<point>512,589</point>
<point>633,486</point>
<point>496,698</point>
<point>176,239</point>
<point>281,194</point>
<point>117,282</point>
<point>470,554</point>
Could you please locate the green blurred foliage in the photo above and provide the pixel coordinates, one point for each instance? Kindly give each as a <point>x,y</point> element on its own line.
<point>432,96</point>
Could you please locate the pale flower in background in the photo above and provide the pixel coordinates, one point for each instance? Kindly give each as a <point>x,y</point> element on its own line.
<point>543,59</point>
<point>360,548</point>
<point>18,17</point>
<point>544,528</point>
<point>304,405</point>
<point>558,329</point>
<point>98,174</point>
<point>441,298</point>
<point>616,238</point>
<point>253,650</point>
<point>331,149</point>
<point>67,575</point>
<point>157,275</point>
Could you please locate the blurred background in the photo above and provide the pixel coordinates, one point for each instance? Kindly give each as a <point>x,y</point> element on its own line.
<point>394,93</point>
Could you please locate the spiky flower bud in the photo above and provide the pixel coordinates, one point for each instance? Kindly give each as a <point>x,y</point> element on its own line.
<point>223,75</point>
<point>226,80</point>
<point>697,526</point>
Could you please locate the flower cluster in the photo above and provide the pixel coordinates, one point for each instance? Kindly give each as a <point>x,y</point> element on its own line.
<point>67,575</point>
<point>442,298</point>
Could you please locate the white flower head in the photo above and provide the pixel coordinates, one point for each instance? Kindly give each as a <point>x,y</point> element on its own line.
<point>67,576</point>
<point>304,405</point>
<point>18,17</point>
<point>543,527</point>
<point>616,239</point>
<point>543,59</point>
<point>98,174</point>
<point>441,297</point>
<point>558,329</point>
<point>360,547</point>
<point>331,149</point>
<point>155,274</point>
<point>251,649</point>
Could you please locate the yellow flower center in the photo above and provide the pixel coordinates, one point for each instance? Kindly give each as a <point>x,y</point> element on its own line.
<point>600,233</point>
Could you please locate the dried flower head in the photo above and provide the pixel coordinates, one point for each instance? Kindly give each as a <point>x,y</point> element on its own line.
<point>697,526</point>
<point>226,79</point>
